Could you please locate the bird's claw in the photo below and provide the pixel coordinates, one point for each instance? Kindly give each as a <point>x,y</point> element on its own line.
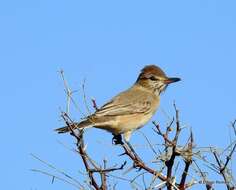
<point>117,139</point>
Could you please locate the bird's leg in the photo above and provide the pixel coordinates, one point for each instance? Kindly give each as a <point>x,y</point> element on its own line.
<point>117,139</point>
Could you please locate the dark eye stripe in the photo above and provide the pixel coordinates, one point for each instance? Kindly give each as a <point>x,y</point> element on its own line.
<point>153,78</point>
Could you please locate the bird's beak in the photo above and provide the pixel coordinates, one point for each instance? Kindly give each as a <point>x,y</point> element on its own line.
<point>171,80</point>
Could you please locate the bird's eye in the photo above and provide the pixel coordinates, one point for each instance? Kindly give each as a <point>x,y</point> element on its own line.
<point>153,78</point>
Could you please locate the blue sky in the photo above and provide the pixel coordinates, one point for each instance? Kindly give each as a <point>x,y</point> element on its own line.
<point>108,43</point>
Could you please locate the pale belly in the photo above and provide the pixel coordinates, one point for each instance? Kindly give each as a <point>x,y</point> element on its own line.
<point>124,124</point>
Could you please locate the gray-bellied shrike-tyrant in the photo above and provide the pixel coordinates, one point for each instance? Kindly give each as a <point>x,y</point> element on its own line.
<point>131,109</point>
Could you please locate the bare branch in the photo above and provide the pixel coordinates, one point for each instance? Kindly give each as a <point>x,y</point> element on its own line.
<point>170,163</point>
<point>222,167</point>
<point>188,162</point>
<point>81,149</point>
<point>138,163</point>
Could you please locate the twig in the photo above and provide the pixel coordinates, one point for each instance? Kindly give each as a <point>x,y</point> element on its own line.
<point>58,178</point>
<point>81,150</point>
<point>233,124</point>
<point>188,162</point>
<point>55,169</point>
<point>149,143</point>
<point>84,97</point>
<point>169,163</point>
<point>209,185</point>
<point>103,176</point>
<point>164,135</point>
<point>86,159</point>
<point>109,169</point>
<point>69,94</point>
<point>222,168</point>
<point>228,158</point>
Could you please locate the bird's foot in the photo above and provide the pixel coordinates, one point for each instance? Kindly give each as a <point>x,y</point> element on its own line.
<point>117,139</point>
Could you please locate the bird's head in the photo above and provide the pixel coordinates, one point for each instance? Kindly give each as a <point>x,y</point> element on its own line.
<point>154,79</point>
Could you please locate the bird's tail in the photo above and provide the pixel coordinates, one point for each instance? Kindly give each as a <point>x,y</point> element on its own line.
<point>81,125</point>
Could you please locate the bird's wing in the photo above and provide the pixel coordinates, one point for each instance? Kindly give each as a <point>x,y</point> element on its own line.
<point>120,105</point>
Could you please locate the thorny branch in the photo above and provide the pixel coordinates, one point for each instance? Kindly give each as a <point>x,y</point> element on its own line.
<point>81,149</point>
<point>188,162</point>
<point>173,144</point>
<point>87,160</point>
<point>222,167</point>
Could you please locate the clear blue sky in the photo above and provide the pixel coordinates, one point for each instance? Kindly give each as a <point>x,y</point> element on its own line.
<point>108,42</point>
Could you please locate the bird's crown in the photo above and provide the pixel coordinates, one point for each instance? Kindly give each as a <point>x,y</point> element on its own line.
<point>150,70</point>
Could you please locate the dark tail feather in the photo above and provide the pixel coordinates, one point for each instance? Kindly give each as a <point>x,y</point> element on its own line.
<point>81,125</point>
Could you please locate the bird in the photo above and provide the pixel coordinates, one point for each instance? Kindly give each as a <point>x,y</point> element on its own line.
<point>131,109</point>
